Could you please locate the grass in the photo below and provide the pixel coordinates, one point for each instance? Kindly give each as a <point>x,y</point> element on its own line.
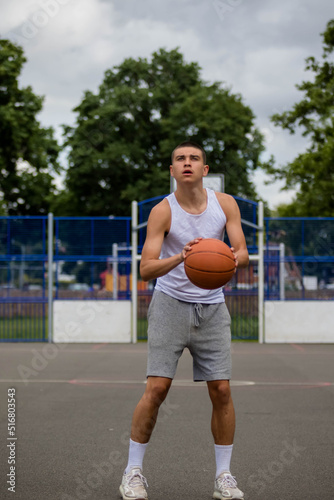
<point>242,327</point>
<point>35,328</point>
<point>23,328</point>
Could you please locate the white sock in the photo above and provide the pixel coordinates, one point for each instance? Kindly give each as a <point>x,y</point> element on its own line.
<point>223,458</point>
<point>136,455</point>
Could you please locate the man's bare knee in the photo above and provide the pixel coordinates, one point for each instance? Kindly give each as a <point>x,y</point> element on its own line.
<point>220,391</point>
<point>157,389</point>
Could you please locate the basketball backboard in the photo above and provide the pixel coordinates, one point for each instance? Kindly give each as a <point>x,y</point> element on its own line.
<point>211,181</point>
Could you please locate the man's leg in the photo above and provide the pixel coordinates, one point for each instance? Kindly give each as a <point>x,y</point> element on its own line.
<point>222,423</point>
<point>146,412</point>
<point>223,416</point>
<point>143,422</point>
<point>223,427</point>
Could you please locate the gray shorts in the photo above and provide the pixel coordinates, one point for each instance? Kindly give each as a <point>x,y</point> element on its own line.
<point>203,328</point>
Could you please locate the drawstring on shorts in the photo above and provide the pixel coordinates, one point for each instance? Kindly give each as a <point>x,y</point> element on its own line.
<point>198,309</point>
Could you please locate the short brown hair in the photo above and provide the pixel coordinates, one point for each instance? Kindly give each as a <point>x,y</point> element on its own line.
<point>190,144</point>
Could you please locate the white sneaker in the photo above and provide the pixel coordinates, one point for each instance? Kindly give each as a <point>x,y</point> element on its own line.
<point>133,485</point>
<point>226,488</point>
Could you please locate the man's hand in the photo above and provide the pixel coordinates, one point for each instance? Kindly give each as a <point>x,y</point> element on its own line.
<point>235,259</point>
<point>188,246</point>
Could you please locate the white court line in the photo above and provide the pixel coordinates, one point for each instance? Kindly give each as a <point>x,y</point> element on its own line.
<point>177,382</point>
<point>27,381</point>
<point>71,347</point>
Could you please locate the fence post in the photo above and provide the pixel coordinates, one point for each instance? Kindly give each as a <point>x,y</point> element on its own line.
<point>281,271</point>
<point>261,273</point>
<point>134,264</point>
<point>50,276</point>
<point>115,270</point>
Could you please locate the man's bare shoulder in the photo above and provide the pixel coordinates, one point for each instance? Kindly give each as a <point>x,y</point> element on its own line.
<point>161,214</point>
<point>227,202</point>
<point>160,209</point>
<point>225,197</point>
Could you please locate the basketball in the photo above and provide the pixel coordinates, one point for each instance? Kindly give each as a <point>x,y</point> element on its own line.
<point>209,264</point>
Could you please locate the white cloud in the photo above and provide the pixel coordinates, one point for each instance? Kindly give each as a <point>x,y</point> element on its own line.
<point>15,13</point>
<point>276,14</point>
<point>272,192</point>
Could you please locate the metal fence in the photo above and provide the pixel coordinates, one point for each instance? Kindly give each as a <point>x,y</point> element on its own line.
<point>299,258</point>
<point>85,254</point>
<point>91,260</point>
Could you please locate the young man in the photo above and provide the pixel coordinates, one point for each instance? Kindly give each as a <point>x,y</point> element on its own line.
<point>183,315</point>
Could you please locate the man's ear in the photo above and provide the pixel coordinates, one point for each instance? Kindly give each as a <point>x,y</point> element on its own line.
<point>171,170</point>
<point>206,170</point>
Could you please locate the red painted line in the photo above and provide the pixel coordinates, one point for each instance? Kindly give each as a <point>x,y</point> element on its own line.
<point>98,346</point>
<point>298,347</point>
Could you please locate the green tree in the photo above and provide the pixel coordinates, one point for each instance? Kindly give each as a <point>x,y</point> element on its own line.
<point>312,172</point>
<point>119,148</point>
<point>28,152</point>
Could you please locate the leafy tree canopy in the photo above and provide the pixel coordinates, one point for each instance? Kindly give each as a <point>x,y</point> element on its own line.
<point>312,172</point>
<point>28,152</point>
<point>120,146</point>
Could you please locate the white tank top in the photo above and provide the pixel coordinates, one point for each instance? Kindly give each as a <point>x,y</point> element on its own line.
<point>184,228</point>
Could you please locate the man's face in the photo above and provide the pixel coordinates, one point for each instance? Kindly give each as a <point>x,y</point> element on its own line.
<point>188,165</point>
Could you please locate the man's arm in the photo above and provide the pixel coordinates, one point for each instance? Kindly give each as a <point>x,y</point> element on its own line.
<point>151,267</point>
<point>234,228</point>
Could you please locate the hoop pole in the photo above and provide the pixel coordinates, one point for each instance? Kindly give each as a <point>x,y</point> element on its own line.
<point>50,276</point>
<point>261,273</point>
<point>134,264</point>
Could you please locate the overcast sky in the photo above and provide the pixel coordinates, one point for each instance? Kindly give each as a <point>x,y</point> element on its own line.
<point>257,47</point>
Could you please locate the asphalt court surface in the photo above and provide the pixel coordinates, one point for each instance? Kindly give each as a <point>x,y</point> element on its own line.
<point>73,409</point>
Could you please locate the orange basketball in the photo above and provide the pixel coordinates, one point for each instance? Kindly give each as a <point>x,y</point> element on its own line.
<point>209,264</point>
